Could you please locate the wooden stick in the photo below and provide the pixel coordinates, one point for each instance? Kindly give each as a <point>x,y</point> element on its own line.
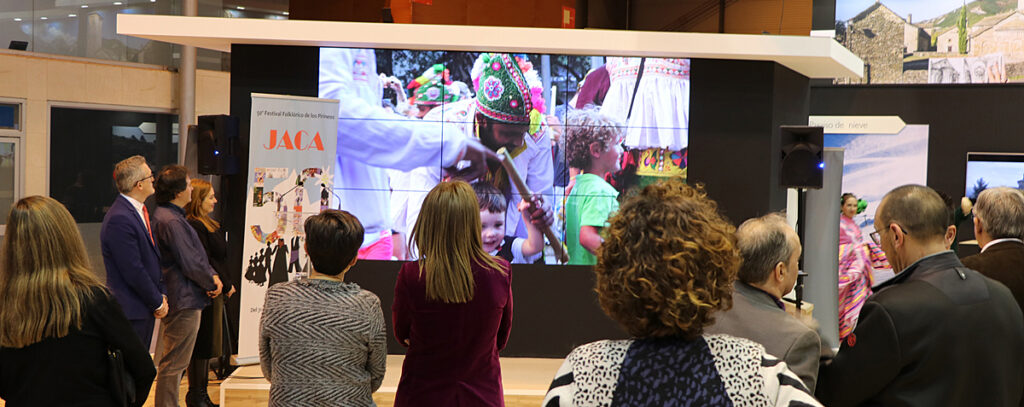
<point>561,252</point>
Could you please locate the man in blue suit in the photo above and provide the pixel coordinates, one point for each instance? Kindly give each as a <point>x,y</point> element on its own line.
<point>129,251</point>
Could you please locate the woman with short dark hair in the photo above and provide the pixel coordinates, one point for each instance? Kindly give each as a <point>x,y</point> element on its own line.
<point>667,264</point>
<point>57,321</point>
<point>322,339</point>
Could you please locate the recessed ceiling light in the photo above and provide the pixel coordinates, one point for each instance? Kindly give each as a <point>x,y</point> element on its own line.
<point>44,18</point>
<point>72,15</point>
<point>118,3</point>
<point>85,6</point>
<point>285,13</point>
<point>240,7</point>
<point>17,18</point>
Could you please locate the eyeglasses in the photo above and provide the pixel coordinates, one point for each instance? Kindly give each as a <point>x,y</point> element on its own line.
<point>151,176</point>
<point>877,238</point>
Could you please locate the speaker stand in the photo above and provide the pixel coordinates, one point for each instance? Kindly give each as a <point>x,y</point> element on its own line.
<point>801,231</point>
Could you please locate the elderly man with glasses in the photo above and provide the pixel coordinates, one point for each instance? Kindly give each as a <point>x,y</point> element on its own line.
<point>770,250</point>
<point>129,251</point>
<point>939,333</point>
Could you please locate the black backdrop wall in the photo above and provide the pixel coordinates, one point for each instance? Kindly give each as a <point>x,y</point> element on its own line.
<point>823,15</point>
<point>257,69</point>
<point>736,108</point>
<point>961,118</point>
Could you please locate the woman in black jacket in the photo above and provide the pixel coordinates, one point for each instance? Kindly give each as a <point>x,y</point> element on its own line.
<point>57,321</point>
<point>209,338</point>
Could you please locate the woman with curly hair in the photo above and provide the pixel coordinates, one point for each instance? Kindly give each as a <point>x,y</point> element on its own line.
<point>667,264</point>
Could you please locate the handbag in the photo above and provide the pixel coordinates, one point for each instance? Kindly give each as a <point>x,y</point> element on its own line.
<point>122,386</point>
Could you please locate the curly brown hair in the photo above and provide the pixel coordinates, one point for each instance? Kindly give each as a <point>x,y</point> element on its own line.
<point>585,127</point>
<point>668,262</point>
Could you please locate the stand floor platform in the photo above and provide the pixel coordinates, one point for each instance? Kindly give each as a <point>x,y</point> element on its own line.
<point>525,381</point>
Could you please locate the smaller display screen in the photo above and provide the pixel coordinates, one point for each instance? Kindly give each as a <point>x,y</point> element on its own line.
<point>990,170</point>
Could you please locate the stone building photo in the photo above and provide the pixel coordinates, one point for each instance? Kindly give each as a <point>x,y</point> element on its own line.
<point>979,42</point>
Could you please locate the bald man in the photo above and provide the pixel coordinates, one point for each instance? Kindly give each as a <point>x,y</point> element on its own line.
<point>938,334</point>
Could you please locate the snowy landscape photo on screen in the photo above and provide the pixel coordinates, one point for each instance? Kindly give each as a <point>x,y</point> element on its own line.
<point>993,170</point>
<point>874,164</point>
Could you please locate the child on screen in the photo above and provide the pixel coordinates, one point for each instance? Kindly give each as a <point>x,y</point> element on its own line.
<point>492,231</point>
<point>593,145</point>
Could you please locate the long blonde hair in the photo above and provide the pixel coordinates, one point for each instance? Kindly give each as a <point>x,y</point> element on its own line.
<point>45,277</point>
<point>194,208</point>
<point>447,233</point>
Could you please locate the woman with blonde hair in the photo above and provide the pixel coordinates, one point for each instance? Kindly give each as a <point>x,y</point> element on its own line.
<point>452,307</point>
<point>57,321</point>
<point>209,339</point>
<point>666,266</point>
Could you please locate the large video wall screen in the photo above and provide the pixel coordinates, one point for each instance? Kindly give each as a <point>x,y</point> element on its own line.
<point>405,117</point>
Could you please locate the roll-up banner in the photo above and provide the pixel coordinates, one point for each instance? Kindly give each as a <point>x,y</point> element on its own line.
<point>291,164</point>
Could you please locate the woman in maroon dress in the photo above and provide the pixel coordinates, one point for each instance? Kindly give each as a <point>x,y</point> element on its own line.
<point>452,308</point>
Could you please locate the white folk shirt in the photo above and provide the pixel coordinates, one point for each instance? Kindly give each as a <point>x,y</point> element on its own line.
<point>370,138</point>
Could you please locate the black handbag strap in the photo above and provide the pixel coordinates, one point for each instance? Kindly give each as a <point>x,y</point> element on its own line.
<point>636,86</point>
<point>121,385</point>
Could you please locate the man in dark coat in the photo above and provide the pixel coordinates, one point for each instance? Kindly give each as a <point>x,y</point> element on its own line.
<point>999,227</point>
<point>938,334</point>
<point>191,281</point>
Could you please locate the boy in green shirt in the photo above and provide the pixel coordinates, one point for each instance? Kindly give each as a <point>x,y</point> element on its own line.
<point>592,144</point>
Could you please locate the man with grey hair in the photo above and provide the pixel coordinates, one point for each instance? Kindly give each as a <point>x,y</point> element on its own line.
<point>770,250</point>
<point>129,251</point>
<point>937,334</point>
<point>999,228</point>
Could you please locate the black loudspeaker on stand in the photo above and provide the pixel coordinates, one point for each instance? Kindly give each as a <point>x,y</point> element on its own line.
<point>802,166</point>
<point>217,145</point>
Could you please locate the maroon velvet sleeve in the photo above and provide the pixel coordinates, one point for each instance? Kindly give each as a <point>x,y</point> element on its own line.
<point>505,326</point>
<point>400,314</point>
<point>594,89</point>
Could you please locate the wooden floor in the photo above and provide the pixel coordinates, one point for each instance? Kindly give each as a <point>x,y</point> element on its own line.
<point>525,381</point>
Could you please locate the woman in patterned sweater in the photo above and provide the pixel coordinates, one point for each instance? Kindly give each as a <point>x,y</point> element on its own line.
<point>667,264</point>
<point>322,340</point>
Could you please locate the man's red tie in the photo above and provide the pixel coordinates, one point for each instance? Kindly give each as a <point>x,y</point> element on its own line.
<point>145,214</point>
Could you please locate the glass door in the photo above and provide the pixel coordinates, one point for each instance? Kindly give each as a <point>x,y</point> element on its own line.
<point>10,188</point>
